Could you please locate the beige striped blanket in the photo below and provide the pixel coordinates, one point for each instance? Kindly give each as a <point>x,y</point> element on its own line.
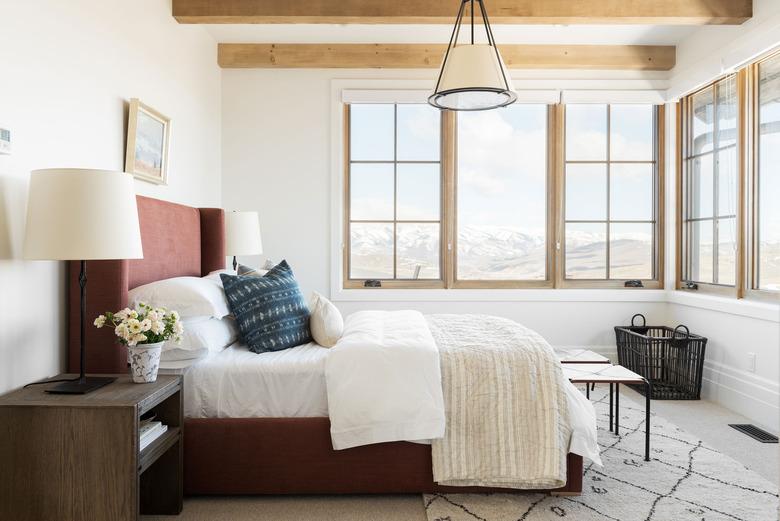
<point>507,421</point>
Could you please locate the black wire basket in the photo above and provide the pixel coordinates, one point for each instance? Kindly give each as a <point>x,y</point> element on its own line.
<point>672,359</point>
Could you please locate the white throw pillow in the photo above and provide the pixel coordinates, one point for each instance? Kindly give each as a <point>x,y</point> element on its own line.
<point>189,296</point>
<point>202,335</point>
<point>326,323</point>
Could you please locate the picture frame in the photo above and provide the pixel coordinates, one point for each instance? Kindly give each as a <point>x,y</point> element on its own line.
<point>148,137</point>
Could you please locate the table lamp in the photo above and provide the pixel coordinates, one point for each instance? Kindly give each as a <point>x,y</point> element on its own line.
<point>78,215</point>
<point>242,234</point>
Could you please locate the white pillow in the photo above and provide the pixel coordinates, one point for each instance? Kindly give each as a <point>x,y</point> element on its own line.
<point>201,336</point>
<point>326,323</point>
<point>189,296</point>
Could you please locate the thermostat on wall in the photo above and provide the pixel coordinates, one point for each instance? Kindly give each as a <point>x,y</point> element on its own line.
<point>5,141</point>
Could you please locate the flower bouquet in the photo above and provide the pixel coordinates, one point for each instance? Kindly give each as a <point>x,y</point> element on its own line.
<point>144,331</point>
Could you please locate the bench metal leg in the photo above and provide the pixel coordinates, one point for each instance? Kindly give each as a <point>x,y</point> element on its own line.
<point>648,394</point>
<point>587,391</point>
<point>617,409</point>
<point>611,419</point>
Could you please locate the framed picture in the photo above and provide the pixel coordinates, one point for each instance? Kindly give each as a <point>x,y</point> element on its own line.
<point>148,133</point>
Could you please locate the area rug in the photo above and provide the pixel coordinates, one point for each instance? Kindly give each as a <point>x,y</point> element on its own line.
<point>686,480</point>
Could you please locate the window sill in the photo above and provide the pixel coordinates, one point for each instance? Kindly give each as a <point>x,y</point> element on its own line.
<point>746,308</point>
<point>498,295</point>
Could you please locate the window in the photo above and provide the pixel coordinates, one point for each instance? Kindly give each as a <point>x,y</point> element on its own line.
<point>502,206</point>
<point>394,192</point>
<point>485,199</point>
<point>610,192</point>
<point>710,186</point>
<point>767,210</point>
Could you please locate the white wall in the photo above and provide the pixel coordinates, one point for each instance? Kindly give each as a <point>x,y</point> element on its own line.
<point>67,70</point>
<point>717,49</point>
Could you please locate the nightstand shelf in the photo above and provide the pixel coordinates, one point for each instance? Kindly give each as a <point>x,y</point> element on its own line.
<point>77,457</point>
<point>157,448</point>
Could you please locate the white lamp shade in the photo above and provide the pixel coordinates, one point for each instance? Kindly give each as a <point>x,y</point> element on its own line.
<point>77,214</point>
<point>473,78</point>
<point>242,233</point>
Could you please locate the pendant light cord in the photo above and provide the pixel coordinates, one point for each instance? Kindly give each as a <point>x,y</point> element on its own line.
<point>472,21</point>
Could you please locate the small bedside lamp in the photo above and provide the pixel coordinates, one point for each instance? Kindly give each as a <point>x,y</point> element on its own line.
<point>242,234</point>
<point>76,214</point>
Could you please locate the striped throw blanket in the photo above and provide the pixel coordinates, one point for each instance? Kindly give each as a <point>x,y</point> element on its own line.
<point>507,418</point>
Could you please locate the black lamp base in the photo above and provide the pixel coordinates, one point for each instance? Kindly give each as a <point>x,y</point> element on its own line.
<point>82,385</point>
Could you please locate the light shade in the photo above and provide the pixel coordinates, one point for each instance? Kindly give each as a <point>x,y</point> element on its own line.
<point>77,214</point>
<point>473,77</point>
<point>242,233</point>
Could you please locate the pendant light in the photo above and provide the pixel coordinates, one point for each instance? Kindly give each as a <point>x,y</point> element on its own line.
<point>472,76</point>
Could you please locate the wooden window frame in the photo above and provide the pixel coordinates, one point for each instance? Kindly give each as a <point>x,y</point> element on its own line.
<point>555,215</point>
<point>549,280</point>
<point>657,280</point>
<point>750,260</point>
<point>395,283</point>
<point>683,138</point>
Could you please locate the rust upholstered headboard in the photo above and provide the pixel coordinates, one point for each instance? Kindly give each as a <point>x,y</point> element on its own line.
<point>177,240</point>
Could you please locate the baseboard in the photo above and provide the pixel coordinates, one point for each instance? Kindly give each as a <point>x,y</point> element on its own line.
<point>745,393</point>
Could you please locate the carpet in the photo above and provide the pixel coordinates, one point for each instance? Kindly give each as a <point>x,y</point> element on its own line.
<point>686,480</point>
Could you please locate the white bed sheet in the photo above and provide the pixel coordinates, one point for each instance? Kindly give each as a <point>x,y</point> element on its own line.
<point>237,383</point>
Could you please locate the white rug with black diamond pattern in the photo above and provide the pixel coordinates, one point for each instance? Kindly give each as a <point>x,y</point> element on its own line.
<point>685,481</point>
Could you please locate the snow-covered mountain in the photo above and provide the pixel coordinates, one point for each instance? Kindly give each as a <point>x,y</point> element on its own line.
<point>505,253</point>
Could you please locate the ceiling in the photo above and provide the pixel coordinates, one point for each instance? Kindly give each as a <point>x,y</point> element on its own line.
<point>507,34</point>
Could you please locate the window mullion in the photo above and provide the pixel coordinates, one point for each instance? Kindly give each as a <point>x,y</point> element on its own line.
<point>609,186</point>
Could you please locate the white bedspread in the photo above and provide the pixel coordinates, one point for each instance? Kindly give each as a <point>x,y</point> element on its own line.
<point>508,421</point>
<point>384,380</point>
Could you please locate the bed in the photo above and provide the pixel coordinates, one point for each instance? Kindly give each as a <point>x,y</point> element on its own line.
<point>254,455</point>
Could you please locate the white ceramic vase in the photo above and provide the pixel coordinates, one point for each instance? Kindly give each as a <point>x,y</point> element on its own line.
<point>144,361</point>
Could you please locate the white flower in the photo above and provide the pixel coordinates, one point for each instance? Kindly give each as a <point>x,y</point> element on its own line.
<point>121,331</point>
<point>156,327</point>
<point>153,316</point>
<point>178,328</point>
<point>134,326</point>
<point>133,314</point>
<point>175,315</point>
<point>146,325</point>
<point>100,321</point>
<point>122,315</point>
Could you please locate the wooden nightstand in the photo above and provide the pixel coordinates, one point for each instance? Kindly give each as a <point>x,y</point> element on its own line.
<point>76,457</point>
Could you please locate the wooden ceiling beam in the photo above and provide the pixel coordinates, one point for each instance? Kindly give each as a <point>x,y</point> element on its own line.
<point>660,12</point>
<point>424,56</point>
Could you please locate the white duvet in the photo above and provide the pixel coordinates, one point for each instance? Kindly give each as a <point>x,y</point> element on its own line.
<point>384,381</point>
<point>384,384</point>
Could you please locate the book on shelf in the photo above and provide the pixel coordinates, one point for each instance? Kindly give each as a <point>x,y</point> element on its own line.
<point>148,431</point>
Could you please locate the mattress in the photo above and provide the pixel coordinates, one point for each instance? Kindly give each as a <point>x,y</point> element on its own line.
<point>237,383</point>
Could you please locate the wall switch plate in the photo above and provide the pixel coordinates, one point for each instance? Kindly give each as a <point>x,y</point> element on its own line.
<point>752,362</point>
<point>5,141</point>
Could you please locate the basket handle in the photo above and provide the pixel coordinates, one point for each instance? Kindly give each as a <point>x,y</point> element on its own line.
<point>644,320</point>
<point>687,331</point>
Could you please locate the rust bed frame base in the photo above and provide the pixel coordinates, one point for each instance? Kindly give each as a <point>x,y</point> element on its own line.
<point>237,456</point>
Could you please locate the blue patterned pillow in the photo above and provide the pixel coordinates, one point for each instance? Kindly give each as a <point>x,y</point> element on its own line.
<point>270,310</point>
